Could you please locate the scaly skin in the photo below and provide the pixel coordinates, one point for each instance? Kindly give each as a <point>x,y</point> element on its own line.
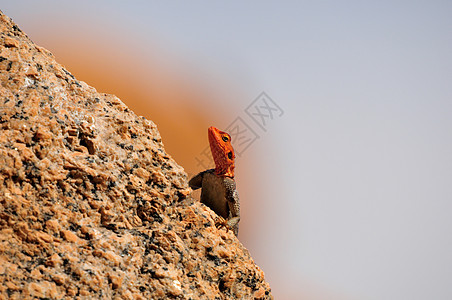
<point>218,186</point>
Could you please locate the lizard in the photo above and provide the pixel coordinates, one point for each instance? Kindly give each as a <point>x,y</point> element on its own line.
<point>218,188</point>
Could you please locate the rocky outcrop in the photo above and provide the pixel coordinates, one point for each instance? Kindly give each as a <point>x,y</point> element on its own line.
<point>91,205</point>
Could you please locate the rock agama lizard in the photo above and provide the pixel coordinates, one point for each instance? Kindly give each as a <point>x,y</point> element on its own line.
<point>218,190</point>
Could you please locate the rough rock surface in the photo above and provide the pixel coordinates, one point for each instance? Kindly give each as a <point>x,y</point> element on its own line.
<point>91,205</point>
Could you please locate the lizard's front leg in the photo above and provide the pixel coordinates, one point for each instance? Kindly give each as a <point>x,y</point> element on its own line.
<point>196,182</point>
<point>229,224</point>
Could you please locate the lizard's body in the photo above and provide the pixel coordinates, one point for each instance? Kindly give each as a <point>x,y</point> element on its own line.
<point>218,189</point>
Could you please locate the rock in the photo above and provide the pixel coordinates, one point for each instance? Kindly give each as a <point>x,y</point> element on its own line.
<point>91,205</point>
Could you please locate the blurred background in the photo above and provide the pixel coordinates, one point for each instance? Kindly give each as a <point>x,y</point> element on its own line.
<point>345,169</point>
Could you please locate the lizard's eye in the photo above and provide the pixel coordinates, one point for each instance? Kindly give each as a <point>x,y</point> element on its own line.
<point>230,155</point>
<point>225,138</point>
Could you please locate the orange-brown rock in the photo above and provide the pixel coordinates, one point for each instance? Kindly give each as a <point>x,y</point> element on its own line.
<point>91,205</point>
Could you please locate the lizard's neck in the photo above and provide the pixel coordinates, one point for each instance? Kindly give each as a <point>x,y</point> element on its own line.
<point>225,171</point>
<point>223,165</point>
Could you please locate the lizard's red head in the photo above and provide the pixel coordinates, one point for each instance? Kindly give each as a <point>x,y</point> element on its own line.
<point>222,152</point>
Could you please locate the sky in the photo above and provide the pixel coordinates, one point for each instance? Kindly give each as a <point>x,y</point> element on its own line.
<point>346,189</point>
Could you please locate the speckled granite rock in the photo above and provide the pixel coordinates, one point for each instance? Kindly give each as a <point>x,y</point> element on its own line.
<point>91,205</point>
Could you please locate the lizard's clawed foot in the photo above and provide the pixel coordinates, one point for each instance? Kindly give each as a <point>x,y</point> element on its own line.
<point>220,222</point>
